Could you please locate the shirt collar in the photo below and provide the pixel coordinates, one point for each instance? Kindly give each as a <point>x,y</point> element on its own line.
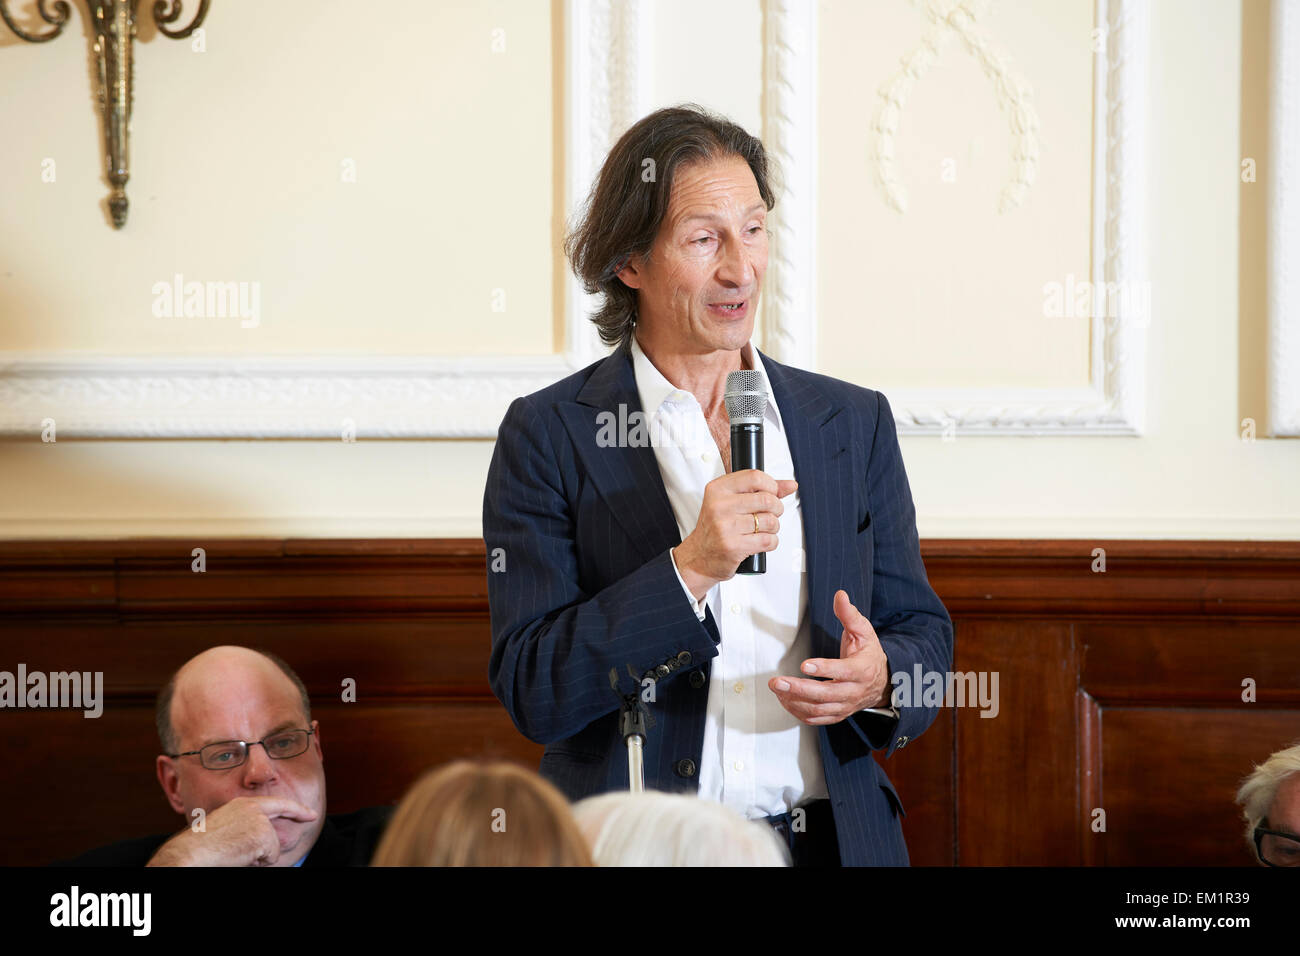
<point>654,390</point>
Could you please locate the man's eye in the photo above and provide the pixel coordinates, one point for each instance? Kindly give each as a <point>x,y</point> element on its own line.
<point>222,756</point>
<point>755,229</point>
<point>703,239</point>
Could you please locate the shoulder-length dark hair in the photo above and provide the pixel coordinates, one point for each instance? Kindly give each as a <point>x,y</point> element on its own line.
<point>628,202</point>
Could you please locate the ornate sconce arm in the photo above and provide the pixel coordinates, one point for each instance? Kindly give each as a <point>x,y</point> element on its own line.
<point>161,17</point>
<point>113,23</point>
<point>56,19</point>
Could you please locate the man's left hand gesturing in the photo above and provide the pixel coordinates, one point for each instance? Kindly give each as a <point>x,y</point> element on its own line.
<point>858,679</point>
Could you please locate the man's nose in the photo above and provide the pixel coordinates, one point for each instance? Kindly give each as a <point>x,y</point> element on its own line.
<point>736,267</point>
<point>259,769</point>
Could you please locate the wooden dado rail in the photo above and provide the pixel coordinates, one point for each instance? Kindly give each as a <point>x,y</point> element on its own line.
<point>1118,691</point>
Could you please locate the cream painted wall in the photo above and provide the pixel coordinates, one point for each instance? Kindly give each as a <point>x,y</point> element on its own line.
<point>333,262</point>
<point>238,163</point>
<point>237,174</point>
<point>950,292</point>
<point>1191,475</point>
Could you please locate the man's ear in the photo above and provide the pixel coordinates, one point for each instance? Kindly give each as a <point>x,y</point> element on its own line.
<point>629,272</point>
<point>170,781</point>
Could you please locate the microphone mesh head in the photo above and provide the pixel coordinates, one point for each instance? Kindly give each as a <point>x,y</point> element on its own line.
<point>745,398</point>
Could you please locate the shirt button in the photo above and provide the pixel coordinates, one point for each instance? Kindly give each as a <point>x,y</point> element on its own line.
<point>704,456</point>
<point>740,688</point>
<point>740,765</point>
<point>735,609</point>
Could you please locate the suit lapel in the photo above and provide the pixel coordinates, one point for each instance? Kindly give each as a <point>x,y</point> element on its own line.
<point>819,434</point>
<point>627,477</point>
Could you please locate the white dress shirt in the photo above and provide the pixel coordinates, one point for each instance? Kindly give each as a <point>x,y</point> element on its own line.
<point>758,758</point>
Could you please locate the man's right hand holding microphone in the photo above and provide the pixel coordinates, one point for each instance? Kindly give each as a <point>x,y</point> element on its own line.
<point>740,516</point>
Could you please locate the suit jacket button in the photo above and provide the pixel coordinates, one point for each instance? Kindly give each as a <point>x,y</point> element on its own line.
<point>685,767</point>
<point>663,670</point>
<point>684,659</point>
<point>697,679</point>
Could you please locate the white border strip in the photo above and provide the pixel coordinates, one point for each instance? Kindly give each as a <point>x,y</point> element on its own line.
<point>1283,227</point>
<point>790,137</point>
<point>290,397</point>
<point>606,74</point>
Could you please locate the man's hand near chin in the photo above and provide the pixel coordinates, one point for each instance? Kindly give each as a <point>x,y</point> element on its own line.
<point>239,833</point>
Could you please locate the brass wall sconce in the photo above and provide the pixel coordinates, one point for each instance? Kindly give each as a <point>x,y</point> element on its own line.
<point>114,24</point>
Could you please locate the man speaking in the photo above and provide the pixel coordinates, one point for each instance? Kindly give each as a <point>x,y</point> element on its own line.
<point>770,690</point>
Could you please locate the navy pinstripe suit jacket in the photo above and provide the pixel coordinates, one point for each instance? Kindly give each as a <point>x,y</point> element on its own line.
<point>587,585</point>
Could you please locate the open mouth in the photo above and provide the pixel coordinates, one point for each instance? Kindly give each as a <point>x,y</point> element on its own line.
<point>729,308</point>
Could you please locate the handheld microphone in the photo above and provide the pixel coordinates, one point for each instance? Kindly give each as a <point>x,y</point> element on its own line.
<point>746,401</point>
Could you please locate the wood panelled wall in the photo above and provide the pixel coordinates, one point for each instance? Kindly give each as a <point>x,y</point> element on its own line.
<point>1120,692</point>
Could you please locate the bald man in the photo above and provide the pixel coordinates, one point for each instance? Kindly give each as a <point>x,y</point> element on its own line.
<point>242,763</point>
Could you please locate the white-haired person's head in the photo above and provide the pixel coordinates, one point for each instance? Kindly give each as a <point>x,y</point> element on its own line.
<point>674,829</point>
<point>1270,802</point>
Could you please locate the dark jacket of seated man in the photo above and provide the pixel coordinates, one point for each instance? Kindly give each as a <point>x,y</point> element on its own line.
<point>346,839</point>
<point>242,764</point>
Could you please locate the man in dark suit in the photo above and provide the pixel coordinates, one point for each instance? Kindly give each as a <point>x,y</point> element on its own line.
<point>242,764</point>
<point>608,551</point>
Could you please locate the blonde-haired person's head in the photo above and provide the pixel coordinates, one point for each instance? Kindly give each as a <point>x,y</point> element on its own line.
<point>673,829</point>
<point>1258,795</point>
<point>482,814</point>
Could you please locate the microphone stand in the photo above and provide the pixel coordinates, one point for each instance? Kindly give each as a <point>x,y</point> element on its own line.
<point>633,721</point>
<point>633,725</point>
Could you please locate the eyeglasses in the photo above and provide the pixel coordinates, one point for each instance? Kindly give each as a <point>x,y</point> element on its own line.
<point>227,754</point>
<point>1276,848</point>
